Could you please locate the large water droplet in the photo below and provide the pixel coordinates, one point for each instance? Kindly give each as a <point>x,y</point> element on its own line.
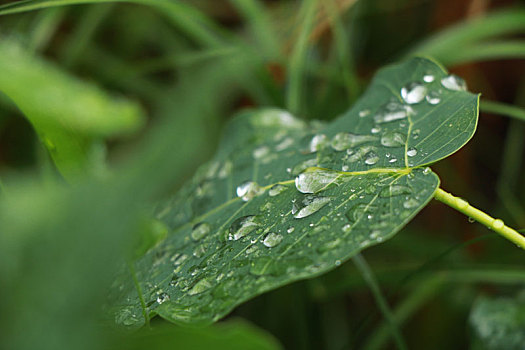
<point>299,168</point>
<point>272,239</point>
<point>317,142</point>
<point>309,206</point>
<point>242,226</point>
<point>393,139</point>
<point>411,152</point>
<point>413,93</point>
<point>395,190</point>
<point>315,180</point>
<point>371,158</point>
<point>360,153</point>
<point>201,286</point>
<point>276,190</point>
<point>390,112</point>
<point>433,97</point>
<point>345,140</point>
<point>453,82</point>
<point>200,230</point>
<point>248,190</point>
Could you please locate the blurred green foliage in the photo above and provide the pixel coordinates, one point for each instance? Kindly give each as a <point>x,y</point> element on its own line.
<point>189,65</point>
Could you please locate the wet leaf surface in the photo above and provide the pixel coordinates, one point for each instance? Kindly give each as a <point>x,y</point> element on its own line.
<point>284,200</point>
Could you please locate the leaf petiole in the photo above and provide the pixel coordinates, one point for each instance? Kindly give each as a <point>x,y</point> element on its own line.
<point>497,225</point>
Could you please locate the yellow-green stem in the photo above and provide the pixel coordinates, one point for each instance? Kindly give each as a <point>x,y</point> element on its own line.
<point>496,225</point>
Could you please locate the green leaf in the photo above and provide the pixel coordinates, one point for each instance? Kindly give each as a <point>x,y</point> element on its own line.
<point>230,335</point>
<point>69,115</point>
<point>316,195</point>
<point>498,323</point>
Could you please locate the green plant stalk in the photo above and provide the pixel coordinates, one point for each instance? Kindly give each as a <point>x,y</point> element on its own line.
<point>496,225</point>
<point>502,109</point>
<point>370,279</point>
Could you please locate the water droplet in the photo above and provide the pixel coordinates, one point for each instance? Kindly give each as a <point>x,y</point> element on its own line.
<point>309,206</point>
<point>497,224</point>
<point>318,142</point>
<point>471,220</point>
<point>290,229</point>
<point>393,139</point>
<point>393,160</point>
<point>346,140</point>
<point>272,239</point>
<point>360,153</point>
<point>411,152</point>
<point>410,203</point>
<point>395,190</point>
<point>345,168</point>
<point>201,286</point>
<point>226,169</point>
<point>453,82</point>
<point>375,130</point>
<point>315,180</point>
<point>390,112</point>
<point>300,167</point>
<point>162,297</point>
<point>371,158</point>
<point>330,245</point>
<point>359,210</point>
<point>260,152</point>
<point>347,228</point>
<point>200,230</point>
<point>248,190</point>
<point>364,113</point>
<point>126,317</point>
<point>284,144</point>
<point>242,226</point>
<point>428,78</point>
<point>199,251</point>
<point>337,262</point>
<point>413,93</point>
<point>433,98</point>
<point>426,171</point>
<point>276,190</point>
<point>415,134</point>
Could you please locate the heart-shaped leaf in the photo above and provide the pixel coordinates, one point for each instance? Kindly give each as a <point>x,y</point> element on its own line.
<point>284,200</point>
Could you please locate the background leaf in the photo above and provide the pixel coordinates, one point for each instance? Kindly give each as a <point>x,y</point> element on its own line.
<point>70,116</point>
<point>222,250</point>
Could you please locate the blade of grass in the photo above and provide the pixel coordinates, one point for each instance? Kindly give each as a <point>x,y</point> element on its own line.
<point>260,24</point>
<point>455,38</point>
<point>296,66</point>
<point>425,291</point>
<point>342,46</point>
<point>191,21</point>
<point>371,281</point>
<point>44,27</point>
<point>486,51</point>
<point>502,109</point>
<point>83,32</point>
